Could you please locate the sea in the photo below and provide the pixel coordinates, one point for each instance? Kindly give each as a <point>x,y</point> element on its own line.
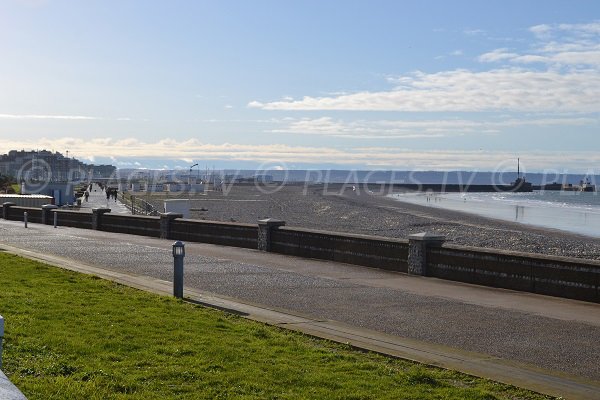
<point>576,212</point>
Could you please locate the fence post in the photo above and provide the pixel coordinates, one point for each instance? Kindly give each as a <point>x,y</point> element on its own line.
<point>6,209</point>
<point>97,217</point>
<point>417,251</point>
<point>265,228</point>
<point>25,219</point>
<point>46,212</point>
<point>166,220</point>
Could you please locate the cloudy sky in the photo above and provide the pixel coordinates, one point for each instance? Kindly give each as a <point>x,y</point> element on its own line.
<point>437,85</point>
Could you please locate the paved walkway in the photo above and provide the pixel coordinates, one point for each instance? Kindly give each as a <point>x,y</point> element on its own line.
<point>539,342</point>
<point>98,199</point>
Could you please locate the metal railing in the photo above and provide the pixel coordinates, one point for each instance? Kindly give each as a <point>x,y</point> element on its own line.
<point>138,206</point>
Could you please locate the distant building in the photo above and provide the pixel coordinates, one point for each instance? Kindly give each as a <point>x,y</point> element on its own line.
<point>263,178</point>
<point>47,166</point>
<point>61,192</point>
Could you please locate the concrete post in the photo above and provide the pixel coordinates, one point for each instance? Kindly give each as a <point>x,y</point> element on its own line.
<point>55,219</point>
<point>417,251</point>
<point>178,254</point>
<point>25,218</point>
<point>265,227</point>
<point>47,213</point>
<point>6,209</point>
<point>97,214</point>
<point>165,223</point>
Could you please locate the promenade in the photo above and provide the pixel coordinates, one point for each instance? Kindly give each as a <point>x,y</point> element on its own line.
<point>542,343</point>
<point>98,199</point>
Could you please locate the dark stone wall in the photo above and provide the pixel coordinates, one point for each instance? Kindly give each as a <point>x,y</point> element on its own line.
<point>391,254</point>
<point>553,276</point>
<point>74,219</point>
<point>132,224</point>
<point>34,214</point>
<point>222,233</point>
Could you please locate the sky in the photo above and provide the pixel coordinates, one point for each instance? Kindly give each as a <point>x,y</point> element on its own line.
<point>405,85</point>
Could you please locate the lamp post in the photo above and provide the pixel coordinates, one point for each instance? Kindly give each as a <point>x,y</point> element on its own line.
<point>190,175</point>
<point>1,337</point>
<point>178,254</point>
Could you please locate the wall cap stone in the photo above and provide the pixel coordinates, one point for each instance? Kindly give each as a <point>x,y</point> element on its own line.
<point>171,215</point>
<point>426,236</point>
<point>271,222</point>
<point>101,210</point>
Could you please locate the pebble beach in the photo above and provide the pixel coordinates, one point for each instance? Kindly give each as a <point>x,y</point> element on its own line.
<point>343,208</point>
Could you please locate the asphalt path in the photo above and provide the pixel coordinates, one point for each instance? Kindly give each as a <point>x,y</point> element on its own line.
<point>550,333</point>
<point>97,199</point>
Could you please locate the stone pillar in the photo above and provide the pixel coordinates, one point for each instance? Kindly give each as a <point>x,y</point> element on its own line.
<point>47,217</point>
<point>165,223</point>
<point>265,227</point>
<point>97,214</point>
<point>417,251</point>
<point>6,208</point>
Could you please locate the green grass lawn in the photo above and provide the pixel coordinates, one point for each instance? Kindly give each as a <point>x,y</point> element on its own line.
<point>72,336</point>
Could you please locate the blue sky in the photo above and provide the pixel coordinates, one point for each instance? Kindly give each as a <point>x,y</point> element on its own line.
<point>308,84</point>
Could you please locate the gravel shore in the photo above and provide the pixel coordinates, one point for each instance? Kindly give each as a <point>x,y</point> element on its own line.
<point>341,209</point>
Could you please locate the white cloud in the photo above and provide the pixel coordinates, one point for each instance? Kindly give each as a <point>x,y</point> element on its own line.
<point>509,89</point>
<point>559,73</point>
<point>36,116</point>
<point>558,45</point>
<point>405,129</point>
<point>497,55</point>
<point>371,157</point>
<point>542,30</point>
<point>474,32</point>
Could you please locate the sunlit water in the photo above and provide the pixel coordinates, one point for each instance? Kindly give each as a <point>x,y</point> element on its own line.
<point>570,211</point>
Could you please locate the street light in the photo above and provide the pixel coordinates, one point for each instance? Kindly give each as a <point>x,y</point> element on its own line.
<point>1,336</point>
<point>190,176</point>
<point>178,254</point>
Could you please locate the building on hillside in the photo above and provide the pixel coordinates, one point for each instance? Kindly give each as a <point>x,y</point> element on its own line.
<point>47,166</point>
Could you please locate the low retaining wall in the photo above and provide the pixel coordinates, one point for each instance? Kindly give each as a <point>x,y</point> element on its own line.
<point>34,215</point>
<point>74,219</point>
<point>222,233</point>
<point>364,250</point>
<point>132,224</point>
<point>422,254</point>
<point>554,276</point>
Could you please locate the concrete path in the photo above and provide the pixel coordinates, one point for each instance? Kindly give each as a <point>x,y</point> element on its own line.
<point>98,199</point>
<point>542,343</point>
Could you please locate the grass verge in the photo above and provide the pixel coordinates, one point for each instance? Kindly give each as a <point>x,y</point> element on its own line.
<point>73,336</point>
